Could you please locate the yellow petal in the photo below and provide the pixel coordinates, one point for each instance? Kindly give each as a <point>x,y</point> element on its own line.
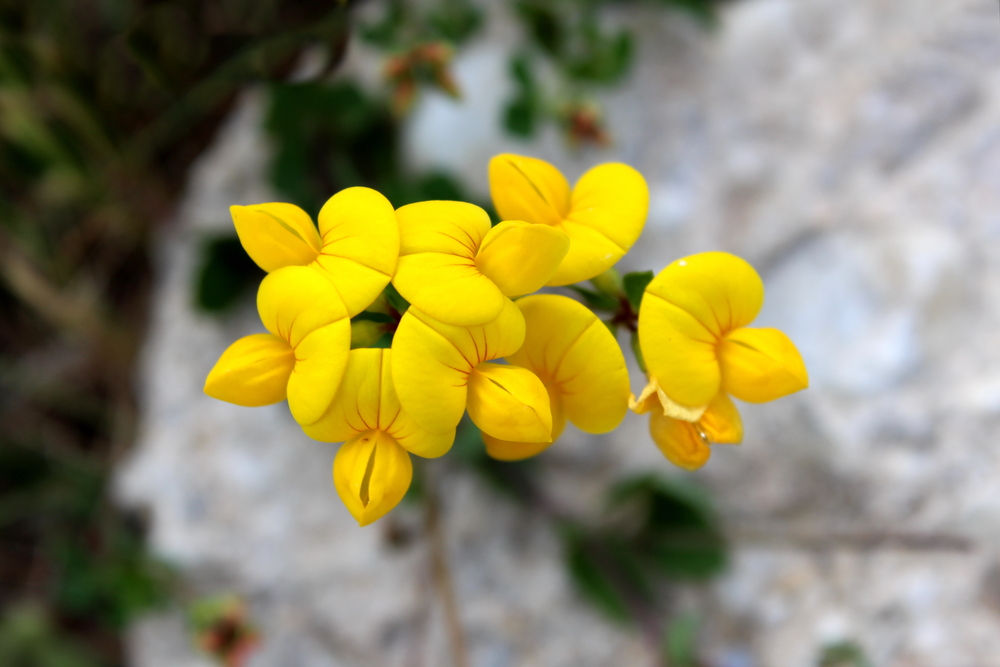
<point>520,257</point>
<point>296,300</point>
<point>276,235</point>
<point>590,254</point>
<point>760,365</point>
<point>253,371</point>
<point>572,351</point>
<point>722,422</point>
<point>679,441</point>
<point>529,189</point>
<point>509,403</point>
<point>431,362</point>
<point>721,291</point>
<point>366,400</point>
<point>320,360</point>
<point>449,227</point>
<point>449,288</point>
<point>371,474</point>
<point>507,450</point>
<point>360,245</point>
<point>437,270</point>
<point>654,398</point>
<point>607,212</point>
<point>680,353</point>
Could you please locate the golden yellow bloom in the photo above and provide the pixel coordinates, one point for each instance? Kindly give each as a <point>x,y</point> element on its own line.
<point>357,242</point>
<point>372,470</point>
<point>684,443</point>
<point>698,349</point>
<point>456,269</point>
<point>580,364</point>
<point>441,369</point>
<point>303,356</point>
<point>602,216</point>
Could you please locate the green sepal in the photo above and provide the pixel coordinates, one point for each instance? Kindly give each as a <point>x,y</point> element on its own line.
<point>634,284</point>
<point>637,351</point>
<point>596,300</point>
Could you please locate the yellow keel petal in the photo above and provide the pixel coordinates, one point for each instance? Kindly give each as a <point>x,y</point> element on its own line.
<point>722,422</point>
<point>679,441</point>
<point>509,403</point>
<point>252,372</point>
<point>520,257</point>
<point>507,450</point>
<point>276,235</point>
<point>371,474</point>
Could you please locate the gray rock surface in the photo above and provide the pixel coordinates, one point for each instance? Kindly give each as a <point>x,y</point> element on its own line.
<point>850,149</point>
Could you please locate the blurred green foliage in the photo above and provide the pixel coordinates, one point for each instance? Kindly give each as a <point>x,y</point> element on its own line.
<point>103,107</point>
<point>843,654</point>
<point>572,40</point>
<point>656,532</point>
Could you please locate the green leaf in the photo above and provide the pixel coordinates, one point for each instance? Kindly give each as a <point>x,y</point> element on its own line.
<point>596,300</point>
<point>681,642</point>
<point>677,529</point>
<point>544,25</point>
<point>396,299</point>
<point>520,117</point>
<point>634,284</point>
<point>227,273</point>
<point>843,654</point>
<point>367,316</point>
<point>592,579</point>
<point>454,20</point>
<point>637,351</point>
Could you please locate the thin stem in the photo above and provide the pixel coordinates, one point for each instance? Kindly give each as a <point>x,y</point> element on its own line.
<point>442,572</point>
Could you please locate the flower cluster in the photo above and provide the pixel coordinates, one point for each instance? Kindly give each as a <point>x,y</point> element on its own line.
<point>471,335</point>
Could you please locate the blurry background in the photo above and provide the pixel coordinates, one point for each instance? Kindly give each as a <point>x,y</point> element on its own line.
<point>849,149</point>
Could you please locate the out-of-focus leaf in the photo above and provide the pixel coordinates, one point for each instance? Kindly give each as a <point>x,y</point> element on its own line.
<point>520,116</point>
<point>634,284</point>
<point>385,32</point>
<point>226,274</point>
<point>703,10</point>
<point>678,532</point>
<point>843,654</point>
<point>454,20</point>
<point>604,59</point>
<point>681,642</point>
<point>591,577</point>
<point>596,300</point>
<point>28,638</point>
<point>543,24</point>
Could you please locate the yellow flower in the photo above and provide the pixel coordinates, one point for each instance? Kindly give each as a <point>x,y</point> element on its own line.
<point>684,443</point>
<point>441,369</point>
<point>372,470</point>
<point>602,216</point>
<point>357,243</point>
<point>697,349</point>
<point>456,269</point>
<point>578,360</point>
<point>301,359</point>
